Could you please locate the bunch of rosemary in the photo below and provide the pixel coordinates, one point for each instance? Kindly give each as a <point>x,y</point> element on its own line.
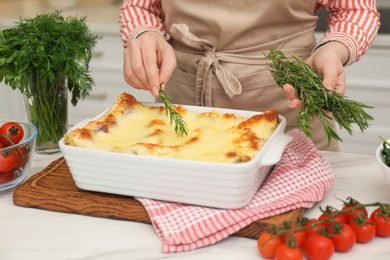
<point>316,99</point>
<point>43,56</point>
<point>174,116</point>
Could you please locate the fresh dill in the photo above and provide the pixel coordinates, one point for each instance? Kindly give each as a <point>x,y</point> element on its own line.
<point>43,56</point>
<point>48,46</point>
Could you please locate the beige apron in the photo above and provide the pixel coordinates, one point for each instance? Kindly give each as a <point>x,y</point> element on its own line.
<point>219,47</point>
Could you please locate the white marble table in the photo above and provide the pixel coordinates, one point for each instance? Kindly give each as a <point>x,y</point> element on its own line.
<point>27,233</point>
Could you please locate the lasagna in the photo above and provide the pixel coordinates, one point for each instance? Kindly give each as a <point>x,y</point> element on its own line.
<point>129,126</point>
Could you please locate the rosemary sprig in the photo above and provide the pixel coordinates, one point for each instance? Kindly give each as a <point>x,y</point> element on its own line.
<point>316,99</point>
<point>180,124</point>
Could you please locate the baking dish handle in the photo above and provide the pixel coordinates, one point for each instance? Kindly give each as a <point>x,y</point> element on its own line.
<point>275,150</point>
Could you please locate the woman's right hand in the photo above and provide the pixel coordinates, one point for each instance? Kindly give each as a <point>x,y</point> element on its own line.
<point>149,61</point>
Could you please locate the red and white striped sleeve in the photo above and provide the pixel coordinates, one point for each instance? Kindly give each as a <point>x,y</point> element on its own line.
<point>138,16</point>
<point>354,23</point>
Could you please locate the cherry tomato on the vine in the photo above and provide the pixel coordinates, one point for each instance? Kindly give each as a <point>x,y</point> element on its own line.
<point>343,240</point>
<point>13,131</point>
<point>8,161</point>
<point>318,247</point>
<point>382,222</point>
<point>365,230</point>
<point>299,236</point>
<point>313,229</point>
<point>354,213</point>
<point>285,252</point>
<point>267,244</point>
<point>338,218</point>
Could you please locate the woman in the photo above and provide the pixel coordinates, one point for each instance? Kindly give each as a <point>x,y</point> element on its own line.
<point>212,53</point>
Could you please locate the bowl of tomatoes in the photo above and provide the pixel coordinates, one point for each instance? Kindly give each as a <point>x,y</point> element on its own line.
<point>17,143</point>
<point>383,156</point>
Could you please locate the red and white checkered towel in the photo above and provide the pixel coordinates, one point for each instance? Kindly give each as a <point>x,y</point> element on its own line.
<point>299,180</point>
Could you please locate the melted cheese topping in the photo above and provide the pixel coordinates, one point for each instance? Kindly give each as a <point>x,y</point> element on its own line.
<point>144,130</point>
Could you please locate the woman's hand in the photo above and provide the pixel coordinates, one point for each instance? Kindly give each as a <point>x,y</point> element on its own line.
<point>328,60</point>
<point>149,60</point>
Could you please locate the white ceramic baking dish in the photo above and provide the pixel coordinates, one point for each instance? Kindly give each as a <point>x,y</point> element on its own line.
<point>211,184</point>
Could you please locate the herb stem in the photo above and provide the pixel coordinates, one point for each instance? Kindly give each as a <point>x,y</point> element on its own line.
<point>175,117</point>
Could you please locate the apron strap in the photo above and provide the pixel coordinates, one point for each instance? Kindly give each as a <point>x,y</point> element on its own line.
<point>208,63</point>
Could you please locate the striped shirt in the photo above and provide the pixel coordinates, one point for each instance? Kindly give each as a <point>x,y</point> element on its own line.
<point>354,23</point>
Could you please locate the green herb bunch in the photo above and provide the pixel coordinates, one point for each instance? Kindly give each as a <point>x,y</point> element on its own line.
<point>48,47</point>
<point>316,99</point>
<point>42,57</point>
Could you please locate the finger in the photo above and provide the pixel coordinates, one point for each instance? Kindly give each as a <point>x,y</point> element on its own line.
<point>309,61</point>
<point>290,92</point>
<point>151,69</point>
<point>167,67</point>
<point>330,77</point>
<point>296,104</point>
<point>137,65</point>
<point>341,83</point>
<point>129,75</point>
<point>295,101</point>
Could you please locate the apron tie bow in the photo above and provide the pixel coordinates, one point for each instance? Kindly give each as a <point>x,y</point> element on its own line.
<point>208,64</point>
<point>215,63</point>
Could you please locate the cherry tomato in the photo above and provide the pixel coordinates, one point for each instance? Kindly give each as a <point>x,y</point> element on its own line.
<point>357,212</point>
<point>299,236</point>
<point>382,222</point>
<point>6,177</point>
<point>318,247</point>
<point>314,229</point>
<point>13,131</point>
<point>267,244</point>
<point>340,218</point>
<point>22,157</point>
<point>8,161</point>
<point>343,240</point>
<point>365,230</point>
<point>291,253</point>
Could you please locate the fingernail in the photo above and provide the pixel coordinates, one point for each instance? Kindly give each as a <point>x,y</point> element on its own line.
<point>330,87</point>
<point>293,105</point>
<point>155,91</point>
<point>162,86</point>
<point>288,89</point>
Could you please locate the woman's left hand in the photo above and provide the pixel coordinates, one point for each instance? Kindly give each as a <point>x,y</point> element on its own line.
<point>328,60</point>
